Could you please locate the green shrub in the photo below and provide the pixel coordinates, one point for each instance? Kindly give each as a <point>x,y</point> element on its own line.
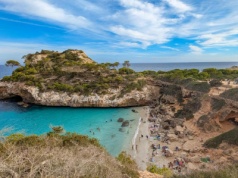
<point>230,137</point>
<point>230,94</point>
<point>198,86</point>
<point>215,83</point>
<point>129,165</point>
<point>125,70</point>
<point>166,172</point>
<point>194,104</point>
<point>217,104</point>
<point>173,90</point>
<point>184,113</point>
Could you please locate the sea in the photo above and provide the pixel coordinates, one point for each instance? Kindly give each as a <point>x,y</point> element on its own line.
<point>100,123</point>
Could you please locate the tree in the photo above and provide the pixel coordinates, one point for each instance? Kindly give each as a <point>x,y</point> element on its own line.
<point>115,64</point>
<point>126,64</point>
<point>12,63</point>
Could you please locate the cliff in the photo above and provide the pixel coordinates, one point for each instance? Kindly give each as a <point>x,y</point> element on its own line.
<point>31,94</point>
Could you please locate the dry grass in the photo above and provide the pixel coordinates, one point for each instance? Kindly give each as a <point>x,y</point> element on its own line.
<point>50,156</point>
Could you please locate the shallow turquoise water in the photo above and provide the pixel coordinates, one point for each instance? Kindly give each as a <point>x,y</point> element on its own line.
<point>37,120</point>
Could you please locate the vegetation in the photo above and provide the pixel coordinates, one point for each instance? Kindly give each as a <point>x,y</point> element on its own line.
<point>231,94</point>
<point>184,113</point>
<point>230,137</point>
<point>60,155</point>
<point>173,90</point>
<point>74,72</point>
<point>130,166</point>
<point>126,64</point>
<point>198,86</point>
<point>12,63</point>
<point>215,83</point>
<point>166,172</point>
<point>226,172</point>
<point>217,104</point>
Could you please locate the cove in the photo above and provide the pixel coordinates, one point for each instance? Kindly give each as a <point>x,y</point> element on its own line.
<point>38,119</point>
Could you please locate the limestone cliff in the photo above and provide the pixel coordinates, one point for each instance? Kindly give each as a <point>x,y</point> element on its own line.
<point>31,94</point>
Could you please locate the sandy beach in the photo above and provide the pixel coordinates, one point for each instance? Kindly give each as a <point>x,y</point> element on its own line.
<point>140,150</point>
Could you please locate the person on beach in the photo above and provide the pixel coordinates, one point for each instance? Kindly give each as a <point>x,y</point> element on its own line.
<point>147,136</point>
<point>132,147</point>
<point>141,136</point>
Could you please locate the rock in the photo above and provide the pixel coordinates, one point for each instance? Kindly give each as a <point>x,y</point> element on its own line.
<point>172,137</point>
<point>195,159</point>
<point>120,120</point>
<point>125,123</point>
<point>21,103</point>
<point>165,125</point>
<point>222,160</point>
<point>191,166</point>
<point>122,129</point>
<point>32,94</point>
<point>179,129</point>
<point>135,111</point>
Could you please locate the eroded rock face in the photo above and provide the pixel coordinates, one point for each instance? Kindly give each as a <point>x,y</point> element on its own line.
<point>32,94</point>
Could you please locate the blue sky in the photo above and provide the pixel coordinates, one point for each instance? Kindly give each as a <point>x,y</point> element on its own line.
<point>117,30</point>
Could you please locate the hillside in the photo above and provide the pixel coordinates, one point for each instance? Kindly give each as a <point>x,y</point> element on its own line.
<point>71,78</point>
<point>61,155</point>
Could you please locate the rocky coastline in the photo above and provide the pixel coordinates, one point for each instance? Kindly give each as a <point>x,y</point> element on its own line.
<point>32,95</point>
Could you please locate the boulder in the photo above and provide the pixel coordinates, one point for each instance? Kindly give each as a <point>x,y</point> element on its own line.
<point>195,159</point>
<point>172,137</point>
<point>120,120</point>
<point>191,166</point>
<point>125,123</point>
<point>165,125</point>
<point>179,129</point>
<point>122,129</point>
<point>135,111</point>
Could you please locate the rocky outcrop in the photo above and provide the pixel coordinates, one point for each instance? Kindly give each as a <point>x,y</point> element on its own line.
<point>31,94</point>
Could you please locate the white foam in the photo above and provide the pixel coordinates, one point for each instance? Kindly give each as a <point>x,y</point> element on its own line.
<point>136,134</point>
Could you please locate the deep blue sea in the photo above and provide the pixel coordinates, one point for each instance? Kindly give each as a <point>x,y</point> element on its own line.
<point>38,119</point>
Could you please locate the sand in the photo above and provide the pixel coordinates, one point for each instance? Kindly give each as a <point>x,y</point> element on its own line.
<point>141,154</point>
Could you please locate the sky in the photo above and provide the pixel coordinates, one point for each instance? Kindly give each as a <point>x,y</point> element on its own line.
<point>156,31</point>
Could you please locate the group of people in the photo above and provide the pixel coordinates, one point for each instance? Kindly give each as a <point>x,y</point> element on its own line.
<point>177,164</point>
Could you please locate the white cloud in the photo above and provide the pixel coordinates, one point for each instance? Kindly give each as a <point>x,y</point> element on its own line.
<point>137,23</point>
<point>219,39</point>
<point>44,10</point>
<point>195,49</point>
<point>179,5</point>
<point>167,47</point>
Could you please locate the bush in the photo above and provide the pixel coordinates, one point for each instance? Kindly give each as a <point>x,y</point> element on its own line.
<point>193,105</point>
<point>215,83</point>
<point>173,90</point>
<point>166,172</point>
<point>198,86</point>
<point>125,70</point>
<point>230,94</point>
<point>230,137</point>
<point>184,113</point>
<point>217,104</point>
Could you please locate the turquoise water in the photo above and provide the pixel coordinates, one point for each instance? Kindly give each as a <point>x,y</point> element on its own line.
<point>37,120</point>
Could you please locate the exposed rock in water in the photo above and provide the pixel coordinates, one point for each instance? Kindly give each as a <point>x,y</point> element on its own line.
<point>125,123</point>
<point>122,129</point>
<point>120,120</point>
<point>135,111</point>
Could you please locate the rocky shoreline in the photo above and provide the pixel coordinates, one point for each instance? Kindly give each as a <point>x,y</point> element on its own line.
<point>32,95</point>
